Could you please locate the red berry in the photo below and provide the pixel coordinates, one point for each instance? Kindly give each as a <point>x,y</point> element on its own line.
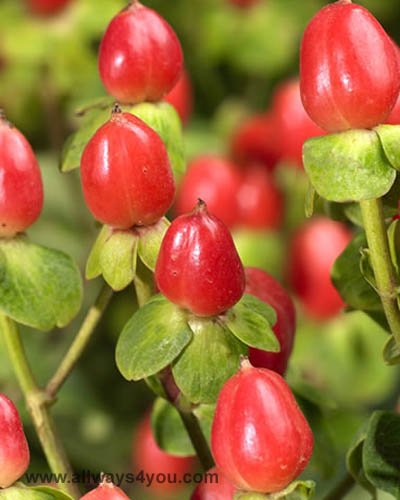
<point>140,56</point>
<point>214,489</point>
<point>14,451</point>
<point>21,188</point>
<point>126,175</point>
<point>292,124</point>
<point>198,267</point>
<point>181,97</point>
<point>216,181</point>
<point>350,76</point>
<point>147,456</point>
<point>260,440</point>
<point>47,7</point>
<point>263,286</point>
<point>394,117</point>
<point>260,203</point>
<point>313,251</point>
<point>105,491</point>
<point>255,141</point>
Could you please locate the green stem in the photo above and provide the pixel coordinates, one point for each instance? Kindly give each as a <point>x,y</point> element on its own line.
<point>197,438</point>
<point>80,342</point>
<point>341,489</point>
<point>375,228</point>
<point>37,404</point>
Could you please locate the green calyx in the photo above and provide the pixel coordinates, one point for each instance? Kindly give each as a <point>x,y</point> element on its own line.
<point>298,490</point>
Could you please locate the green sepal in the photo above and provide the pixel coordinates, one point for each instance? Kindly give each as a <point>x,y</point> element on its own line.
<point>212,356</point>
<point>349,166</point>
<point>21,492</point>
<point>381,452</point>
<point>150,239</point>
<point>93,265</point>
<point>39,287</point>
<point>154,336</point>
<point>298,490</point>
<point>250,320</point>
<point>389,136</point>
<point>391,352</point>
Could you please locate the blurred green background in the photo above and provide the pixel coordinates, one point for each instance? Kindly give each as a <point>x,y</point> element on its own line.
<point>235,59</point>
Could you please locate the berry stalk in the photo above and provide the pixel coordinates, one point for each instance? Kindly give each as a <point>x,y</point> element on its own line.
<point>37,404</point>
<point>378,244</point>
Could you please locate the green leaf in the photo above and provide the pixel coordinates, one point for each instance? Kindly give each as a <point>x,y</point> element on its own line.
<point>39,287</point>
<point>366,268</point>
<point>394,243</point>
<point>389,136</point>
<point>21,492</point>
<point>208,361</point>
<point>250,321</point>
<point>169,431</point>
<point>381,452</point>
<point>350,166</point>
<point>298,490</point>
<point>93,265</point>
<point>163,118</point>
<point>348,279</point>
<point>355,465</point>
<point>391,352</point>
<point>152,339</point>
<point>118,259</point>
<point>150,242</point>
<point>309,201</point>
<point>56,493</point>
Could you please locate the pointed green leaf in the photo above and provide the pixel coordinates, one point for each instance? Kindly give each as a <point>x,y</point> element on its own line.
<point>39,286</point>
<point>350,166</point>
<point>93,266</point>
<point>381,452</point>
<point>390,139</point>
<point>21,492</point>
<point>152,339</point>
<point>118,259</point>
<point>366,268</point>
<point>208,361</point>
<point>250,321</point>
<point>150,242</point>
<point>354,463</point>
<point>391,352</point>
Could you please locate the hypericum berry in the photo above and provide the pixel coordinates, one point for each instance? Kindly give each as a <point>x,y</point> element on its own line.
<point>21,188</point>
<point>168,469</point>
<point>254,141</point>
<point>198,267</point>
<point>181,97</point>
<point>260,439</point>
<point>140,56</point>
<point>312,253</point>
<point>263,286</point>
<point>394,117</point>
<point>350,75</point>
<point>260,203</point>
<point>14,451</point>
<point>292,124</point>
<point>215,180</point>
<point>105,491</point>
<point>215,486</point>
<point>126,175</point>
<point>47,7</point>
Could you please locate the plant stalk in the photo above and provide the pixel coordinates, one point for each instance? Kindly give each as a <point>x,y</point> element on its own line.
<point>37,404</point>
<point>375,228</point>
<point>80,342</point>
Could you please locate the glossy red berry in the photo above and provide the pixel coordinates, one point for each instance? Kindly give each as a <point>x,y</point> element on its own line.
<point>215,180</point>
<point>47,7</point>
<point>181,97</point>
<point>198,267</point>
<point>255,141</point>
<point>168,469</point>
<point>140,56</point>
<point>105,491</point>
<point>293,126</point>
<point>215,486</point>
<point>260,440</point>
<point>313,251</point>
<point>21,188</point>
<point>266,288</point>
<point>14,451</point>
<point>260,203</point>
<point>126,175</point>
<point>350,76</point>
<point>394,117</point>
